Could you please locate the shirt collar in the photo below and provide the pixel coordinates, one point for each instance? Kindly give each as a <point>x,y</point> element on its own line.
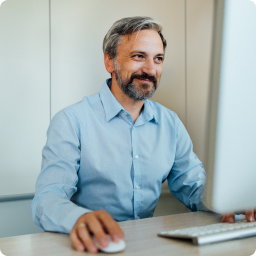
<point>148,112</point>
<point>112,107</point>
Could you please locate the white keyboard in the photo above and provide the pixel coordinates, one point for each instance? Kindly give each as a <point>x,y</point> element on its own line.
<point>214,233</point>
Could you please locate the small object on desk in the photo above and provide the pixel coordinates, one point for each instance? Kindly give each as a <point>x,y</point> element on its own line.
<point>213,233</point>
<point>112,246</point>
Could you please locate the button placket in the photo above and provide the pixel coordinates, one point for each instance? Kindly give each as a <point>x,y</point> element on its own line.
<point>136,173</point>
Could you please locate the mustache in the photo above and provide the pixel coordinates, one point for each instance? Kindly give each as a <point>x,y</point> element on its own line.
<point>143,76</point>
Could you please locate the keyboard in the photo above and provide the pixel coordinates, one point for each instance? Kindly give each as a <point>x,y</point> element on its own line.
<point>214,233</point>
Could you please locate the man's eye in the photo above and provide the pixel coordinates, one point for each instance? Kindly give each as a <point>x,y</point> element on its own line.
<point>159,59</point>
<point>138,56</point>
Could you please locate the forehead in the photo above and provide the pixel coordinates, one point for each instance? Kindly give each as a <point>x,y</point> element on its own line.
<point>146,40</point>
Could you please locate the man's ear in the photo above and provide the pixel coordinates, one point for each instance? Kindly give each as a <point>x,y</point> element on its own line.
<point>109,63</point>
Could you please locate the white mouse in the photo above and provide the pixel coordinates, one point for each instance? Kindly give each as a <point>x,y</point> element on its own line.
<point>112,246</point>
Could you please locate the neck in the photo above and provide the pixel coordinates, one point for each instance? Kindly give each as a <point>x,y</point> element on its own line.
<point>130,105</point>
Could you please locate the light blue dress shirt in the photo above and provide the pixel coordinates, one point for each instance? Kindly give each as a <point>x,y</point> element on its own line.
<point>96,158</point>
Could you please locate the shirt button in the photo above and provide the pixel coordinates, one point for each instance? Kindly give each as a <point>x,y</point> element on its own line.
<point>137,187</point>
<point>137,217</point>
<point>136,156</point>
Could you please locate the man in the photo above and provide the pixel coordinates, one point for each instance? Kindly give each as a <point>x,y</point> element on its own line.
<point>107,156</point>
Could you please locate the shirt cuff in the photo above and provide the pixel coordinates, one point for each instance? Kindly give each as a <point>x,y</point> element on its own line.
<point>71,219</point>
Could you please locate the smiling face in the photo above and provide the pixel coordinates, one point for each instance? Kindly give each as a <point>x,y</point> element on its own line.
<point>138,66</point>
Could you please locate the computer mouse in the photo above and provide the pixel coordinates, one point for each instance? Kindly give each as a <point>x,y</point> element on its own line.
<point>112,246</point>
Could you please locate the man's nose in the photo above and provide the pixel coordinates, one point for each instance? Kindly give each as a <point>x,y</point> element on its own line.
<point>149,67</point>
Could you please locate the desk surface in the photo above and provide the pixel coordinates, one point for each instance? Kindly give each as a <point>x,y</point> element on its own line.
<point>141,239</point>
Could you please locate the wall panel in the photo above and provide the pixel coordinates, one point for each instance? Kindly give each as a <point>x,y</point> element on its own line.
<point>24,92</point>
<point>199,17</point>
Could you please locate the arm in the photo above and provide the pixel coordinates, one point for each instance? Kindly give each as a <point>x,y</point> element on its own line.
<point>187,177</point>
<point>51,207</point>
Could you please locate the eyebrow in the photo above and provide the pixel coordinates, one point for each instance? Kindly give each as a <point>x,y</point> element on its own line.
<point>144,53</point>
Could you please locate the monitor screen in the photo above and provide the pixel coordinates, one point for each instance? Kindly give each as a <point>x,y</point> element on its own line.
<point>231,138</point>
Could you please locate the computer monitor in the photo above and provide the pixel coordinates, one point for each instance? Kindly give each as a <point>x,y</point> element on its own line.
<point>231,138</point>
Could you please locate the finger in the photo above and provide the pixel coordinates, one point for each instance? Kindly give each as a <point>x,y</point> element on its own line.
<point>111,226</point>
<point>95,226</point>
<point>76,243</point>
<point>84,236</point>
<point>255,214</point>
<point>224,217</point>
<point>230,217</point>
<point>249,215</point>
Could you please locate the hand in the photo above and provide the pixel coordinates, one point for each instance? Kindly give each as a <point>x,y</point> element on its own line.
<point>250,216</point>
<point>97,224</point>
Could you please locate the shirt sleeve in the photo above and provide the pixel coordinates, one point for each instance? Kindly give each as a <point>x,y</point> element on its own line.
<point>187,178</point>
<point>51,207</point>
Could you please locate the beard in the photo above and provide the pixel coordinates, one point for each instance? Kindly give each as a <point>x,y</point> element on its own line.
<point>136,92</point>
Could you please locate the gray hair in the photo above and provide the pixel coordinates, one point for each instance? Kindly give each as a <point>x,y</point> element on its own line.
<point>128,26</point>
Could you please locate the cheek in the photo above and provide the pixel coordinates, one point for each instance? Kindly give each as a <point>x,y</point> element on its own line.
<point>133,67</point>
<point>159,72</point>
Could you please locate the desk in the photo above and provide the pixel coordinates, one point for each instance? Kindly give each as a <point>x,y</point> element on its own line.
<point>141,239</point>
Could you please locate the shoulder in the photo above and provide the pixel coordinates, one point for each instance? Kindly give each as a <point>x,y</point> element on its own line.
<point>76,113</point>
<point>82,106</point>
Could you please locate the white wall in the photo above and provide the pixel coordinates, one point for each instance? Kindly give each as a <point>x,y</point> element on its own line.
<point>199,24</point>
<point>24,107</point>
<point>24,92</point>
<point>33,85</point>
